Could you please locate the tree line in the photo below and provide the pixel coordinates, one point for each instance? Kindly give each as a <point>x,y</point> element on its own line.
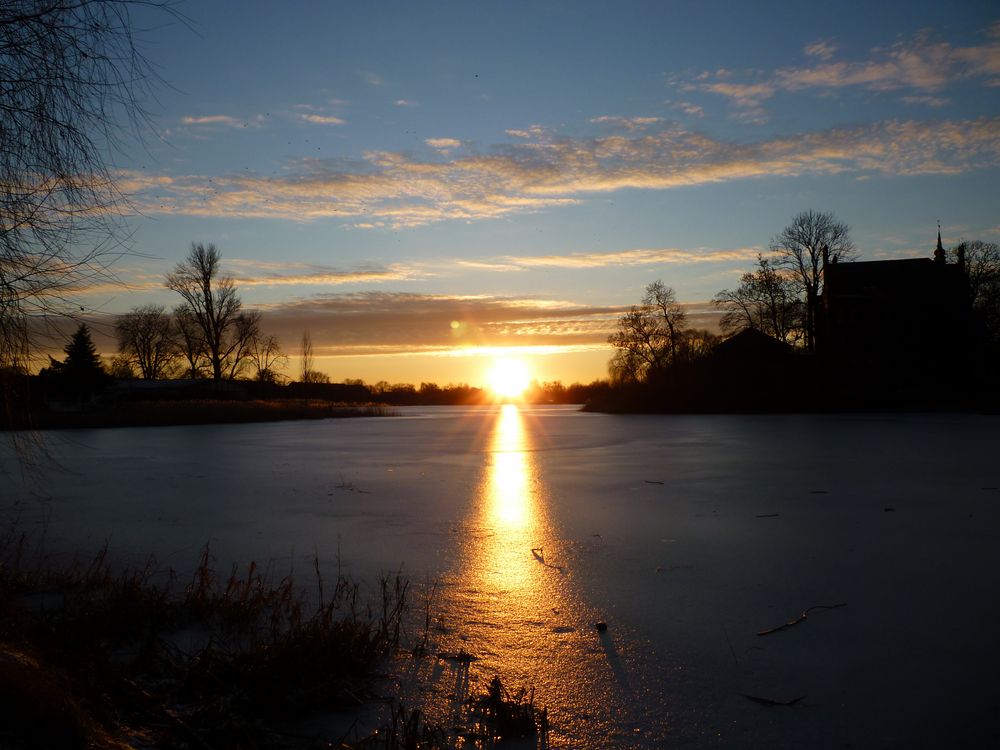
<point>208,335</point>
<point>779,297</point>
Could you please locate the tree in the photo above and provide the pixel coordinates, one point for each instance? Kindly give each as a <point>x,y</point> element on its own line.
<point>213,309</point>
<point>190,342</point>
<point>245,331</point>
<point>72,83</point>
<point>307,373</point>
<point>81,373</point>
<point>147,338</point>
<point>766,300</point>
<point>267,358</point>
<point>648,335</point>
<point>802,247</point>
<point>982,264</point>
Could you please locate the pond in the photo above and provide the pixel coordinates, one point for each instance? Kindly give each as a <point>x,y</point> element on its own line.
<point>688,536</point>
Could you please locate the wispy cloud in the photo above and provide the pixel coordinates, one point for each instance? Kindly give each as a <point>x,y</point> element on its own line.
<point>443,144</point>
<point>372,78</point>
<point>402,189</point>
<point>386,322</point>
<point>690,108</point>
<point>258,273</point>
<point>232,122</point>
<point>823,49</point>
<point>407,103</point>
<point>930,101</point>
<point>635,257</point>
<point>322,119</point>
<point>626,123</point>
<point>919,64</point>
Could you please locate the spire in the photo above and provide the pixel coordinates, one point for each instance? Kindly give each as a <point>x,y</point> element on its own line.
<point>939,250</point>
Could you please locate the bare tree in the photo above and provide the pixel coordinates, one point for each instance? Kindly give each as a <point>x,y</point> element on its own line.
<point>663,302</point>
<point>308,374</point>
<point>648,335</point>
<point>307,355</point>
<point>982,264</point>
<point>72,83</point>
<point>800,248</point>
<point>766,300</point>
<point>239,349</point>
<point>267,358</point>
<point>212,303</point>
<point>190,341</point>
<point>147,338</point>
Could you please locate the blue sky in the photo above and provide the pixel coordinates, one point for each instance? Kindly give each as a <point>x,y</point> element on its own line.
<point>415,181</point>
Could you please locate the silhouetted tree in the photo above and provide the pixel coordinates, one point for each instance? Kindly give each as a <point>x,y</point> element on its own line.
<point>147,338</point>
<point>120,367</point>
<point>695,343</point>
<point>212,304</point>
<point>648,335</point>
<point>982,264</point>
<point>267,358</point>
<point>72,82</point>
<point>766,300</point>
<point>245,330</point>
<point>190,342</point>
<point>80,374</point>
<point>799,247</point>
<point>307,373</point>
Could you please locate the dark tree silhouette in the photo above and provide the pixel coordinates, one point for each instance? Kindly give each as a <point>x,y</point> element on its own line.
<point>648,335</point>
<point>766,300</point>
<point>306,373</point>
<point>213,305</point>
<point>190,342</point>
<point>982,264</point>
<point>147,338</point>
<point>267,358</point>
<point>72,83</point>
<point>80,374</point>
<point>800,248</point>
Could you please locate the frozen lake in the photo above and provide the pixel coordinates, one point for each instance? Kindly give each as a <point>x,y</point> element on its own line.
<point>687,534</point>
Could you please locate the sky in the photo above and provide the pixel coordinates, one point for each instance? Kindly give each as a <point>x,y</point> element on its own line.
<point>424,186</point>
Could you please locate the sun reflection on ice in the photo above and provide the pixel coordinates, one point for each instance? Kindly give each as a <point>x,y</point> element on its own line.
<point>507,486</point>
<point>512,607</point>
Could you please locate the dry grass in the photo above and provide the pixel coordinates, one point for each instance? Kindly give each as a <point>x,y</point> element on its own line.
<point>93,657</point>
<point>102,658</point>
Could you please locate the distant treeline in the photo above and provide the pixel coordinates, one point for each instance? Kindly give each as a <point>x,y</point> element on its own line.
<point>69,395</point>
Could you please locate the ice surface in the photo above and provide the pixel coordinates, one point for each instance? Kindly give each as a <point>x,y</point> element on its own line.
<point>686,534</point>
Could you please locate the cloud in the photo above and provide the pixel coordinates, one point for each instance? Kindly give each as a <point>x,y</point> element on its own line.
<point>636,257</point>
<point>322,119</point>
<point>392,322</point>
<point>689,108</point>
<point>626,123</point>
<point>402,189</point>
<point>259,273</point>
<point>918,64</point>
<point>233,122</point>
<point>406,103</point>
<point>749,98</point>
<point>931,101</point>
<point>823,49</point>
<point>372,78</point>
<point>443,144</point>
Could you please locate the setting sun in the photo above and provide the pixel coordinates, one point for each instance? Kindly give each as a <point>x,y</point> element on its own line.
<point>509,378</point>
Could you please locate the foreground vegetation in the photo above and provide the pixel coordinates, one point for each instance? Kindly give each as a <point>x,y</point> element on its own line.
<point>94,657</point>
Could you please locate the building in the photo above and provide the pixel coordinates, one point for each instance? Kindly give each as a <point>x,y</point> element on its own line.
<point>895,330</point>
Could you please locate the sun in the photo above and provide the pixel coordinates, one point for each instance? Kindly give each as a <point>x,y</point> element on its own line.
<point>509,378</point>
